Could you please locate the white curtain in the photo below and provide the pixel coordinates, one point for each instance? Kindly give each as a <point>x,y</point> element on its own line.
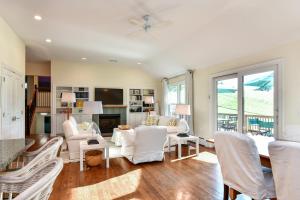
<point>164,104</point>
<point>189,98</point>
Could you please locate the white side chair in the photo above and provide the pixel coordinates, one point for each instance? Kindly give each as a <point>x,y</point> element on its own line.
<point>36,184</point>
<point>285,162</point>
<point>146,144</point>
<point>241,168</point>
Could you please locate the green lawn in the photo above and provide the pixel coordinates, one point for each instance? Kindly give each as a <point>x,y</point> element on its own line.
<point>256,103</point>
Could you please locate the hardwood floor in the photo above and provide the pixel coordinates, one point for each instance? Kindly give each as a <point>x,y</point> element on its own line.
<point>171,179</point>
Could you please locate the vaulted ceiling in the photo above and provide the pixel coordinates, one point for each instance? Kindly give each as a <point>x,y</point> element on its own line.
<point>184,35</point>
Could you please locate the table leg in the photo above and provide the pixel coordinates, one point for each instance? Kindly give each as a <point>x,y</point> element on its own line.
<point>197,147</point>
<point>179,149</point>
<point>107,156</point>
<point>169,144</point>
<point>81,160</point>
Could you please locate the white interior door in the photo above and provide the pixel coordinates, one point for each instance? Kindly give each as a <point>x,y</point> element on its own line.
<point>12,104</point>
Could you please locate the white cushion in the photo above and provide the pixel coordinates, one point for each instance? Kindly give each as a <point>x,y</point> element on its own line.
<point>69,129</point>
<point>164,121</point>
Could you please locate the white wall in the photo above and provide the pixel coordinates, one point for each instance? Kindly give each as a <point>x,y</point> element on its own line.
<point>12,48</point>
<point>38,68</point>
<point>291,74</point>
<point>12,54</point>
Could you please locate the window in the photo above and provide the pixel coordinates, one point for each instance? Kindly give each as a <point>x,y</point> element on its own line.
<point>247,102</point>
<point>176,95</point>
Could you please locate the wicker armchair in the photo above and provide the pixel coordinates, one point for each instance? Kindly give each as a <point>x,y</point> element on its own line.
<point>34,184</point>
<point>47,154</point>
<point>29,155</point>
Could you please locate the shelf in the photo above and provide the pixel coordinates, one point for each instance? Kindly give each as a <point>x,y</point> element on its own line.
<point>114,106</point>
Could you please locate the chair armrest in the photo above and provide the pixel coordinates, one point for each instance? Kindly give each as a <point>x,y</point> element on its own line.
<point>82,137</point>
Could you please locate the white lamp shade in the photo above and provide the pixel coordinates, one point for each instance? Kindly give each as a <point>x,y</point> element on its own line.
<point>149,100</point>
<point>92,107</point>
<point>183,109</point>
<point>68,97</point>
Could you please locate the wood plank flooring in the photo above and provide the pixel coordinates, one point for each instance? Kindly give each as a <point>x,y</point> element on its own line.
<point>185,179</point>
<point>171,179</point>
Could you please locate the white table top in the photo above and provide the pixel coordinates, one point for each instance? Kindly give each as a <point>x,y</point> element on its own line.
<point>191,137</point>
<point>85,146</point>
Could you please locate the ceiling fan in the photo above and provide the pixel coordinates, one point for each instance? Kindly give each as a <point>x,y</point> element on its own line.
<point>146,23</point>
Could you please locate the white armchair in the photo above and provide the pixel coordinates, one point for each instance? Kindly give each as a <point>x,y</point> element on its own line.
<point>74,137</point>
<point>146,144</point>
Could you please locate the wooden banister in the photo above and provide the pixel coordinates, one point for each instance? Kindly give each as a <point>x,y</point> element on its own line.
<point>30,111</point>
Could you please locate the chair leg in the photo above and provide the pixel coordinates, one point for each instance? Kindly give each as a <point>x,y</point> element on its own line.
<point>226,192</point>
<point>233,194</point>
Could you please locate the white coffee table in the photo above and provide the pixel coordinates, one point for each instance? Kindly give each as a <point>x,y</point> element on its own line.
<point>84,147</point>
<point>117,135</point>
<point>181,140</point>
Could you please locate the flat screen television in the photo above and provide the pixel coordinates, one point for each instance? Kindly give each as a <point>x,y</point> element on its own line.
<point>109,96</point>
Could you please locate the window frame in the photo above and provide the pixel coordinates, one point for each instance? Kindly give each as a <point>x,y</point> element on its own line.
<point>274,65</point>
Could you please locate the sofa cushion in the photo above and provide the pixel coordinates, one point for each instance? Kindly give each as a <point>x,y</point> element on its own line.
<point>151,120</point>
<point>164,120</point>
<point>173,122</point>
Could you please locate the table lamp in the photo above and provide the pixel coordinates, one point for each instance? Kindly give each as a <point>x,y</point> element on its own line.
<point>92,107</point>
<point>149,100</point>
<point>69,98</point>
<point>183,110</point>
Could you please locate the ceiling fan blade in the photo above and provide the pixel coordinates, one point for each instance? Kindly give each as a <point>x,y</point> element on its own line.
<point>162,24</point>
<point>136,22</point>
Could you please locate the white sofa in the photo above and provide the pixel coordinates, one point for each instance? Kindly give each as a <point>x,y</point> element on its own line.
<point>74,136</point>
<point>145,144</point>
<point>163,121</point>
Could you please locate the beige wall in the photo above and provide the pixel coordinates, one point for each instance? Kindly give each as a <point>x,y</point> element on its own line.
<point>12,48</point>
<point>109,75</point>
<point>38,68</point>
<point>291,82</point>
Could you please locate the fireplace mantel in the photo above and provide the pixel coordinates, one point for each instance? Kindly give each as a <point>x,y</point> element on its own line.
<point>114,106</point>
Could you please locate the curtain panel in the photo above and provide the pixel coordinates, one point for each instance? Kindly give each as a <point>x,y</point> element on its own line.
<point>189,87</point>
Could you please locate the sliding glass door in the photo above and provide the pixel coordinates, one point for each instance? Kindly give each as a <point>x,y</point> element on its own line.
<point>227,103</point>
<point>247,102</point>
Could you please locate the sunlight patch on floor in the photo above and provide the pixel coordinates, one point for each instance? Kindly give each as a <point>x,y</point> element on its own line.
<point>207,157</point>
<point>109,189</point>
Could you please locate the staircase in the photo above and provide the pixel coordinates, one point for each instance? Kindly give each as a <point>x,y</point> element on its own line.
<point>40,102</point>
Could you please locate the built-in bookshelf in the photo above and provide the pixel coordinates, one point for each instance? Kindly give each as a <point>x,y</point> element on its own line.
<point>136,100</point>
<point>81,94</point>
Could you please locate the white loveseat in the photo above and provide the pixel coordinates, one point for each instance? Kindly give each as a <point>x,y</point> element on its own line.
<point>181,125</point>
<point>74,136</point>
<point>145,144</point>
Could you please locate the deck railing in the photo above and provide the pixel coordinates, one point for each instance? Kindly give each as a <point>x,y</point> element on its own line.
<point>255,124</point>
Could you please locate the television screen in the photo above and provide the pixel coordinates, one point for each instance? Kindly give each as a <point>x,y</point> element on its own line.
<point>109,96</point>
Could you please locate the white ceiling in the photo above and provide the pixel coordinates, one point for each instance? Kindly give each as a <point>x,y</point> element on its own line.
<point>200,33</point>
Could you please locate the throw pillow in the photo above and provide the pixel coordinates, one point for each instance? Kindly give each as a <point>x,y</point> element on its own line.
<point>151,120</point>
<point>173,122</point>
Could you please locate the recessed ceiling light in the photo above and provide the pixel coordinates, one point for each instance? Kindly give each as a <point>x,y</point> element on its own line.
<point>83,58</point>
<point>139,63</point>
<point>37,17</point>
<point>48,40</point>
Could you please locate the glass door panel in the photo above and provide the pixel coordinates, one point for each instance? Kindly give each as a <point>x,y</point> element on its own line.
<point>258,101</point>
<point>227,104</point>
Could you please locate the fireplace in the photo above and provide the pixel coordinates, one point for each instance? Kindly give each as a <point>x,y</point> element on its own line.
<point>107,123</point>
